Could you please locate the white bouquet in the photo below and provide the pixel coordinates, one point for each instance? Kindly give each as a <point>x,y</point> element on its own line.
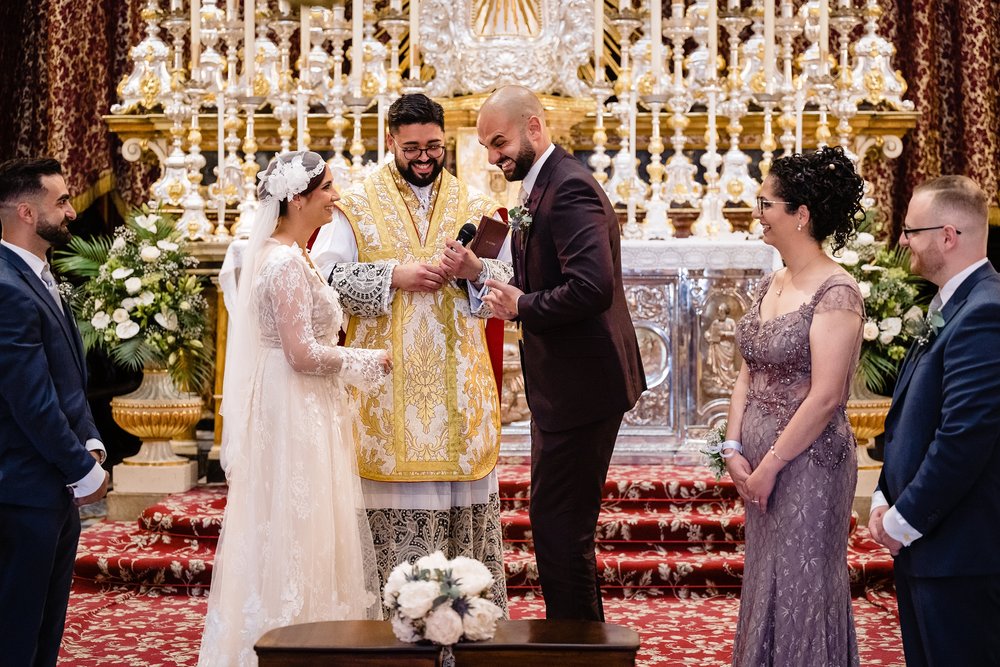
<point>440,600</point>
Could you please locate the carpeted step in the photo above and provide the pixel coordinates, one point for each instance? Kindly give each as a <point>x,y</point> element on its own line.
<point>115,553</point>
<point>658,526</point>
<point>635,485</point>
<point>195,513</point>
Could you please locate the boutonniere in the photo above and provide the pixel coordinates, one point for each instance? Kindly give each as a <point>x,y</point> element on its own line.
<point>924,329</point>
<point>520,219</point>
<point>66,290</point>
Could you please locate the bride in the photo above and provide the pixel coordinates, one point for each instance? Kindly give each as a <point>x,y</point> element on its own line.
<point>295,545</point>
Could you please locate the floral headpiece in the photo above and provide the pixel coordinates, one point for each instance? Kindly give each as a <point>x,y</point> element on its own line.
<point>287,179</point>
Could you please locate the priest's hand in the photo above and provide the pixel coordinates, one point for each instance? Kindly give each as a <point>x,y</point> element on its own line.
<point>418,277</point>
<point>502,299</point>
<point>460,262</point>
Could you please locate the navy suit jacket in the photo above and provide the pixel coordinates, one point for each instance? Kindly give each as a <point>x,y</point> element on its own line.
<point>942,445</point>
<point>44,417</point>
<point>581,357</point>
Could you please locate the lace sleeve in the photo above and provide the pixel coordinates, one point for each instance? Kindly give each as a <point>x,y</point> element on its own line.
<point>364,287</point>
<point>493,269</point>
<point>285,291</point>
<point>842,293</point>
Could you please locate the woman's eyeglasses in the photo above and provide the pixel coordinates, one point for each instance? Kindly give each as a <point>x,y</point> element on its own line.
<point>762,203</point>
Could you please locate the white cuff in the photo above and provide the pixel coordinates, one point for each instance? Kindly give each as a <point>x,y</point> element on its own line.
<point>92,482</point>
<point>898,529</point>
<point>878,500</point>
<point>95,445</point>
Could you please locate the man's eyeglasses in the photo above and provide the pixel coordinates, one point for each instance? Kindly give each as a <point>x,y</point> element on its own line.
<point>761,203</point>
<point>433,152</point>
<point>910,231</point>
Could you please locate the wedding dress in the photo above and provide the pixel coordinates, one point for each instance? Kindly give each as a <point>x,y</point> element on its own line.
<point>295,544</point>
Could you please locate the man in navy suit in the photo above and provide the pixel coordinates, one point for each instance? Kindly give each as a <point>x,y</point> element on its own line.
<point>582,369</point>
<point>50,451</point>
<point>937,506</point>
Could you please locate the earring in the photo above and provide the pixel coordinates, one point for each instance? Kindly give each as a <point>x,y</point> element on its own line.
<point>798,227</point>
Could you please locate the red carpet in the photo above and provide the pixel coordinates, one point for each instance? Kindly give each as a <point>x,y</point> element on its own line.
<point>670,554</point>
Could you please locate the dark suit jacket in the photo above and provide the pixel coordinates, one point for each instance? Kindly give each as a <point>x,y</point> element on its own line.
<point>942,445</point>
<point>581,358</point>
<point>44,416</point>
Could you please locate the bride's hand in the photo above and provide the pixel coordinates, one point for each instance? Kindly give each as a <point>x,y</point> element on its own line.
<point>386,362</point>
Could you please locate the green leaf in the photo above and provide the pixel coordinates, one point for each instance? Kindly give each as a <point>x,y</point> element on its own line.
<point>82,257</point>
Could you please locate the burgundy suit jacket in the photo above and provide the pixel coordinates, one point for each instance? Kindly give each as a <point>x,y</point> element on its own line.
<point>580,358</point>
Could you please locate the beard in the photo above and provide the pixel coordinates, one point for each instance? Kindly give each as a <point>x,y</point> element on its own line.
<point>410,176</point>
<point>56,234</point>
<point>522,162</point>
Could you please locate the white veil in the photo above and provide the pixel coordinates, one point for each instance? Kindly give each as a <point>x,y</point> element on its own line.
<point>243,348</point>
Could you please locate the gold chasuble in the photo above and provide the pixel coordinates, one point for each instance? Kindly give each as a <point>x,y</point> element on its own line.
<point>438,416</point>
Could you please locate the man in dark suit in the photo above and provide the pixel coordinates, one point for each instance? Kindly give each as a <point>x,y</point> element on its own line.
<point>50,450</point>
<point>580,357</point>
<point>937,506</point>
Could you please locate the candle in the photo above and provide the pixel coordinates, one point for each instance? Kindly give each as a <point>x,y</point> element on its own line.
<point>221,135</point>
<point>824,36</point>
<point>800,104</point>
<point>357,16</point>
<point>230,10</point>
<point>304,34</point>
<point>249,43</point>
<point>656,39</point>
<point>414,39</point>
<point>396,6</point>
<point>175,5</point>
<point>624,4</point>
<point>381,128</point>
<point>769,46</point>
<point>598,40</point>
<point>300,113</point>
<point>195,34</point>
<point>284,7</point>
<point>713,39</point>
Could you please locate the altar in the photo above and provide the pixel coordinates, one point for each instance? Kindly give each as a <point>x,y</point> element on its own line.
<point>685,296</point>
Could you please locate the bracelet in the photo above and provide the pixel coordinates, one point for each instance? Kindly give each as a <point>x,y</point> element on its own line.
<point>734,445</point>
<point>778,457</point>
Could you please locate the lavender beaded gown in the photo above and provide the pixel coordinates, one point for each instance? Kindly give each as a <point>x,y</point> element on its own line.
<point>795,606</point>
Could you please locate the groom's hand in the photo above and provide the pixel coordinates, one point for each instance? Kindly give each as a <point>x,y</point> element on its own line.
<point>502,299</point>
<point>96,495</point>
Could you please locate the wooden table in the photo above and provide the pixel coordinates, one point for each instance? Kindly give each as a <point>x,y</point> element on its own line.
<point>534,643</point>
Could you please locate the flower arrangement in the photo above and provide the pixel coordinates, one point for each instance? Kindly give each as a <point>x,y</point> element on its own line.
<point>892,304</point>
<point>713,450</point>
<point>520,219</point>
<point>441,600</point>
<point>137,301</point>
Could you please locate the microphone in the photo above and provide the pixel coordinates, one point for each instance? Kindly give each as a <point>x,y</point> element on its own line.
<point>466,233</point>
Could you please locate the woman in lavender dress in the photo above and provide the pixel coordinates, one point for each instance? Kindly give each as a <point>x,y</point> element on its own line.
<point>792,450</point>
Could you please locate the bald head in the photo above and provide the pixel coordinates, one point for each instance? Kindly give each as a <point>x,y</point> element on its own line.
<point>511,125</point>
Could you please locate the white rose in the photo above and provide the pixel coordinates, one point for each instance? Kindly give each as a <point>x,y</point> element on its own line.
<point>150,253</point>
<point>118,243</point>
<point>128,303</point>
<point>885,337</point>
<point>101,320</point>
<point>914,313</point>
<point>480,622</point>
<point>147,298</point>
<point>395,581</point>
<point>120,315</point>
<point>865,288</point>
<point>167,320</point>
<point>416,597</point>
<point>850,258</point>
<point>891,325</point>
<point>871,268</point>
<point>870,331</point>
<point>864,238</point>
<point>443,625</point>
<point>276,184</point>
<point>168,246</point>
<point>121,273</point>
<point>404,630</point>
<point>472,576</point>
<point>147,222</point>
<point>434,561</point>
<point>133,285</point>
<point>126,330</point>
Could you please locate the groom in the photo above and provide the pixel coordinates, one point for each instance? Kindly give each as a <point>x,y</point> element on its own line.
<point>581,362</point>
<point>937,506</point>
<point>50,450</point>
